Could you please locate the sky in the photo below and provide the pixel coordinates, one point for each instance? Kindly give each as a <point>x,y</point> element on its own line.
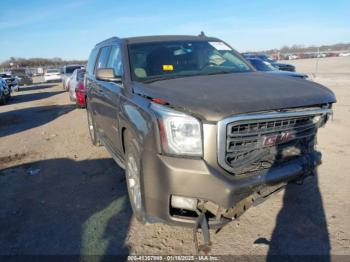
<point>69,29</point>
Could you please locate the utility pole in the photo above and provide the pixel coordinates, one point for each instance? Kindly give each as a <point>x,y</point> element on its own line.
<point>318,57</point>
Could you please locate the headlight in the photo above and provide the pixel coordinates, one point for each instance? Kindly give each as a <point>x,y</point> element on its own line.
<point>181,134</point>
<point>306,77</point>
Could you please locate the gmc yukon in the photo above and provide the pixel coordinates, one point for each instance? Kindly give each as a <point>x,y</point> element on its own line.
<point>201,134</point>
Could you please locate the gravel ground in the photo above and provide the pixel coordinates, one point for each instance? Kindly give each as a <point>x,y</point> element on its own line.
<point>61,195</point>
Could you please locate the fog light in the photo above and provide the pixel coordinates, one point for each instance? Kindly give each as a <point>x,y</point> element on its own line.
<point>187,203</point>
<point>316,119</point>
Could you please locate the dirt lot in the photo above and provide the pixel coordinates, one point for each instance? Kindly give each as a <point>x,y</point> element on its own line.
<point>61,195</point>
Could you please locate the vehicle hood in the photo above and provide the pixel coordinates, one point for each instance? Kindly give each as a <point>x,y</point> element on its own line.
<point>214,97</point>
<point>286,73</point>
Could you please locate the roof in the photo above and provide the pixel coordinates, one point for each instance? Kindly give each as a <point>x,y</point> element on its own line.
<point>76,65</point>
<point>166,38</point>
<point>159,38</point>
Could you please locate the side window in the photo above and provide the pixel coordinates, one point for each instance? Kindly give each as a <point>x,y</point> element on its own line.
<point>103,57</point>
<point>115,60</point>
<point>91,62</point>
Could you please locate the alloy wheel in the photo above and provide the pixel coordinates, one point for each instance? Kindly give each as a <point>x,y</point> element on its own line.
<point>134,182</point>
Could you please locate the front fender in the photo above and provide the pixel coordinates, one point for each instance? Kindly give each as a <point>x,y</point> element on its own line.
<point>137,117</point>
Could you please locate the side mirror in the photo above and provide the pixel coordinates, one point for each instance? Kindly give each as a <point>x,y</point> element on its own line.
<point>108,74</point>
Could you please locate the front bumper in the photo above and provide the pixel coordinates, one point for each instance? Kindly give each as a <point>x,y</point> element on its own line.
<point>164,176</point>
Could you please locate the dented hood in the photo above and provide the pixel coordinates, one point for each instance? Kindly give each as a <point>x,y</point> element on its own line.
<point>214,97</point>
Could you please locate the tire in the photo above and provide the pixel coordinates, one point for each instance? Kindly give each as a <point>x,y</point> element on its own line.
<point>2,99</point>
<point>8,96</point>
<point>92,128</point>
<point>71,98</point>
<point>132,173</point>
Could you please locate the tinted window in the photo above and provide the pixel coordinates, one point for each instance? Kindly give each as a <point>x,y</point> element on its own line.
<point>261,65</point>
<point>80,74</point>
<point>115,61</point>
<point>92,61</point>
<point>70,69</point>
<point>266,58</point>
<point>103,58</point>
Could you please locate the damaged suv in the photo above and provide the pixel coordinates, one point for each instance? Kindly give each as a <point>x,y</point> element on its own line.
<point>201,134</point>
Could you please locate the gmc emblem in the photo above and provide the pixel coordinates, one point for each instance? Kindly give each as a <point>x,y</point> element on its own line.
<point>278,139</point>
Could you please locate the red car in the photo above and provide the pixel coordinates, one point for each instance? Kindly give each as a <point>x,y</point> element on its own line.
<point>76,87</point>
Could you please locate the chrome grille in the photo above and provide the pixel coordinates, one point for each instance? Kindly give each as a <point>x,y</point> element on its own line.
<point>249,143</point>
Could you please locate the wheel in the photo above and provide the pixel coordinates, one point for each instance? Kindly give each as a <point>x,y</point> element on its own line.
<point>133,181</point>
<point>2,99</point>
<point>71,98</point>
<point>92,129</point>
<point>8,96</point>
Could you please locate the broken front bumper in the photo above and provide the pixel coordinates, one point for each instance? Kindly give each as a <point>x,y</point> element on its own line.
<point>164,176</point>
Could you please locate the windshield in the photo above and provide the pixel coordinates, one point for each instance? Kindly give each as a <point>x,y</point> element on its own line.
<point>70,69</point>
<point>165,60</point>
<point>267,58</point>
<point>261,65</point>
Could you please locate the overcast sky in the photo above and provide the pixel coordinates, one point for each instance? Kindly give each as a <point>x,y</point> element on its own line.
<point>69,29</point>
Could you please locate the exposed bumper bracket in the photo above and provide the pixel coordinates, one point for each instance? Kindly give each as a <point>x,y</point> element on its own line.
<point>202,223</point>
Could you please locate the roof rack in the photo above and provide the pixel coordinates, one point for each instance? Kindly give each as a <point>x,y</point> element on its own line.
<point>108,40</point>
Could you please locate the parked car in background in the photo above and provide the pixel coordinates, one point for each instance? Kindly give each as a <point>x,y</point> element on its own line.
<point>279,66</point>
<point>292,57</point>
<point>11,81</point>
<point>52,75</point>
<point>2,94</point>
<point>5,91</point>
<point>76,87</point>
<point>23,76</point>
<point>202,136</point>
<point>67,71</point>
<point>266,67</point>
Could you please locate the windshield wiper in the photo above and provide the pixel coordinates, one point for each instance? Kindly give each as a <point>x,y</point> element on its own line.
<point>155,79</point>
<point>220,73</point>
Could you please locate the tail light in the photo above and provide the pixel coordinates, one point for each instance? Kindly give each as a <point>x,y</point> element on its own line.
<point>80,88</point>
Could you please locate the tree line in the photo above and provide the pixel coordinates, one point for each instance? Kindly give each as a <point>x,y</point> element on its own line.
<point>305,49</point>
<point>14,62</point>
